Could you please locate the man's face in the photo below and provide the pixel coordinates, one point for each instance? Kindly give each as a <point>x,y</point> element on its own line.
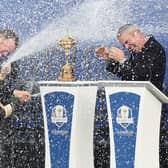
<point>7,46</point>
<point>130,40</point>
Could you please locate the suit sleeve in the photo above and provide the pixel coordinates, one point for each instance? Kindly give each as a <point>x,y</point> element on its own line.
<point>9,84</point>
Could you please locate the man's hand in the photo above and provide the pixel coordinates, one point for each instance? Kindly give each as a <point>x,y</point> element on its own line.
<point>22,95</point>
<point>7,109</point>
<point>1,106</point>
<point>6,68</point>
<point>103,53</point>
<point>116,54</point>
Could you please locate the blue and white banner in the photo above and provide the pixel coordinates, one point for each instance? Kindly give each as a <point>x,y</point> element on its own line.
<point>59,110</point>
<point>69,123</point>
<point>123,111</point>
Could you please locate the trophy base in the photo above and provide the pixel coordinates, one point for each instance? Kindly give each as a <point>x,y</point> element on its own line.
<point>66,79</point>
<point>67,73</point>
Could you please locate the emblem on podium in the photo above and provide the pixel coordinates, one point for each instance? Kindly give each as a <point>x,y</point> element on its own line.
<point>124,116</point>
<point>59,116</point>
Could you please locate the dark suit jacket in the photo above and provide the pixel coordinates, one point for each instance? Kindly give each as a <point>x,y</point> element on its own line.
<point>8,85</point>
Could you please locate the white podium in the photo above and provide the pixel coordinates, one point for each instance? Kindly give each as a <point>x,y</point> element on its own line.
<point>134,110</point>
<point>68,110</point>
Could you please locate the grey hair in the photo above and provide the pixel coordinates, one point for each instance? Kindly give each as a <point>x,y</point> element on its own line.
<point>126,28</point>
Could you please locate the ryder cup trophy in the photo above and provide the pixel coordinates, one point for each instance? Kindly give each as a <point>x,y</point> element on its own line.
<point>67,71</point>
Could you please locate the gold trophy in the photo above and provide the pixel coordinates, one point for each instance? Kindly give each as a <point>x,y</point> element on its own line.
<point>67,72</point>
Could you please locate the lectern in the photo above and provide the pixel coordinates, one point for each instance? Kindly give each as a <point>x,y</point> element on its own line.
<point>134,110</point>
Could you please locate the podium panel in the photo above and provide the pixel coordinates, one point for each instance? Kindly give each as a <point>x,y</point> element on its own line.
<point>68,111</point>
<point>134,120</point>
<point>124,107</point>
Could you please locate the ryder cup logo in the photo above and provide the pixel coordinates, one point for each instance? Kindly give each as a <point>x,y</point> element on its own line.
<point>59,115</point>
<point>124,116</point>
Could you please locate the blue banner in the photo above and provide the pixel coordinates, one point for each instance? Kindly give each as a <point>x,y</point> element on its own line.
<point>125,108</point>
<point>59,111</point>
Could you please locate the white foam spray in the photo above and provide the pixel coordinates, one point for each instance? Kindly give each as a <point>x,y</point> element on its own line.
<point>91,21</point>
<point>96,20</point>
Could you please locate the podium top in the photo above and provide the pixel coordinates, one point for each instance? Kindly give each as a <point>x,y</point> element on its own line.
<point>147,84</point>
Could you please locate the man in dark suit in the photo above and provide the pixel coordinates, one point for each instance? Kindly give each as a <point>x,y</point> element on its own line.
<point>146,62</point>
<point>8,74</point>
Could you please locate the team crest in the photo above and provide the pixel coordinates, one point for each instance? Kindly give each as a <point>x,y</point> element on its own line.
<point>59,115</point>
<point>124,116</point>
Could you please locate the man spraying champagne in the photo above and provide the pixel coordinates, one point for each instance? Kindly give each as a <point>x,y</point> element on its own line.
<point>8,74</point>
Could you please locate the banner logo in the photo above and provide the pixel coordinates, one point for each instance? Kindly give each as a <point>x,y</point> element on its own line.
<point>59,115</point>
<point>124,116</point>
